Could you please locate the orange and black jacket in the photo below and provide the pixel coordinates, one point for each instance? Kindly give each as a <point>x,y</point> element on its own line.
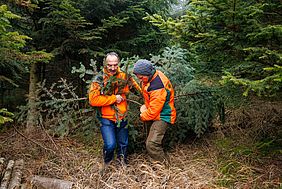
<point>104,96</point>
<point>159,99</point>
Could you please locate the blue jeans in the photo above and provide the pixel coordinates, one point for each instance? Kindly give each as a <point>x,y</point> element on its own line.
<point>114,136</point>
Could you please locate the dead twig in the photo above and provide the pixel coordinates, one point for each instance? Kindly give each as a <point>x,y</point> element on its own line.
<point>79,99</point>
<point>48,149</point>
<point>134,102</point>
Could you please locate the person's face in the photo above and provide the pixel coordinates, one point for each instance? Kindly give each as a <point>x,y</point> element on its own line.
<point>112,64</point>
<point>143,78</point>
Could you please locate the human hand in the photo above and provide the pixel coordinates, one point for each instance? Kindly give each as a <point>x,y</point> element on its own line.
<point>143,108</point>
<point>119,98</point>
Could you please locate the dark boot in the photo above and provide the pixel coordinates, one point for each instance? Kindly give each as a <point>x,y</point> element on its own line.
<point>122,161</point>
<point>103,168</point>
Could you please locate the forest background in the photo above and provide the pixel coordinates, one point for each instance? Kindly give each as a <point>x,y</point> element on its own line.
<point>223,58</point>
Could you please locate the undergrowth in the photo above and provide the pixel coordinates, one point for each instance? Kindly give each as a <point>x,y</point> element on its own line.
<point>245,152</point>
<point>249,147</point>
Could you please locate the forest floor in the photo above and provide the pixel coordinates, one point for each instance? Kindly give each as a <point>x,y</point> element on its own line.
<point>244,153</point>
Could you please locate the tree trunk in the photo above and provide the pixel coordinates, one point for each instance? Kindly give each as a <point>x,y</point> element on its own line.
<point>16,178</point>
<point>7,175</point>
<point>2,167</point>
<point>32,115</point>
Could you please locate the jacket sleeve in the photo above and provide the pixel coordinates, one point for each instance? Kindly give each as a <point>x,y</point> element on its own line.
<point>157,100</point>
<point>98,99</point>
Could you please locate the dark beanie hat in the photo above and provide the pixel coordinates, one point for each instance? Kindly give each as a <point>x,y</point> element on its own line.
<point>143,67</point>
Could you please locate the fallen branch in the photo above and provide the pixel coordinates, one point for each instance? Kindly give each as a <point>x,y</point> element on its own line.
<point>50,183</point>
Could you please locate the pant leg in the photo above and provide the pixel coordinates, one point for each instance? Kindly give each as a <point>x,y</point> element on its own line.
<point>154,140</point>
<point>122,140</point>
<point>109,137</point>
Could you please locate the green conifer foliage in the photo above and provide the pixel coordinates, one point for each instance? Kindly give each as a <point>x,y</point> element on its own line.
<point>239,38</point>
<point>5,116</point>
<point>196,103</point>
<point>11,41</point>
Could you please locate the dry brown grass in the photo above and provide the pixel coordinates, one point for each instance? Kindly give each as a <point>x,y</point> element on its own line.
<point>199,164</point>
<point>72,161</point>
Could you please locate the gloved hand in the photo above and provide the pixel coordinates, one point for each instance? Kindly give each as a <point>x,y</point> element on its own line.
<point>119,98</point>
<point>143,108</point>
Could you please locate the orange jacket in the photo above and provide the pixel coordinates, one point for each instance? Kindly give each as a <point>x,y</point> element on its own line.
<point>105,96</point>
<point>159,99</point>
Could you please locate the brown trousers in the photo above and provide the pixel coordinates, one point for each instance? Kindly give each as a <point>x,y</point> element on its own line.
<point>154,140</point>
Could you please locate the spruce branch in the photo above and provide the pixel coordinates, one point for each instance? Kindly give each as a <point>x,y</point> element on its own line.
<point>85,98</point>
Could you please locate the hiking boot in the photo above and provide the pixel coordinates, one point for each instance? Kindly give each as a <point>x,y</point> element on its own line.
<point>165,161</point>
<point>121,161</point>
<point>104,168</point>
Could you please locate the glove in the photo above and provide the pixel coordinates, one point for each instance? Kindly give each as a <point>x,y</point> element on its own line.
<point>143,108</point>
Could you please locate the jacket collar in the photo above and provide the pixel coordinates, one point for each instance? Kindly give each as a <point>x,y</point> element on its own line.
<point>153,76</point>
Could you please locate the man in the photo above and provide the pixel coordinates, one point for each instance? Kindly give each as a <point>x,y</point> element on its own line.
<point>108,91</point>
<point>158,108</point>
